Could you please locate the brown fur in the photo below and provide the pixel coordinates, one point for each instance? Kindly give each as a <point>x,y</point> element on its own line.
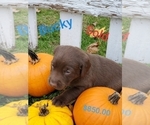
<point>135,75</point>
<point>73,67</point>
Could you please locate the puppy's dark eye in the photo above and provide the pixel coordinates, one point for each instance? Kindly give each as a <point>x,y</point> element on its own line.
<point>67,72</point>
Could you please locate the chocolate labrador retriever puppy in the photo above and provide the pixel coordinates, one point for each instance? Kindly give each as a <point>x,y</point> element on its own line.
<point>79,70</point>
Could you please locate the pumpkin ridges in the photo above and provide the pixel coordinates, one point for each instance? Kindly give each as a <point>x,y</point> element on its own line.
<point>120,113</point>
<point>20,121</point>
<point>44,86</point>
<point>6,121</point>
<point>17,87</point>
<point>145,113</point>
<point>55,119</point>
<point>6,113</point>
<point>125,106</point>
<point>46,79</point>
<point>34,83</point>
<point>21,75</point>
<point>32,112</point>
<point>36,121</point>
<point>50,120</point>
<point>58,116</point>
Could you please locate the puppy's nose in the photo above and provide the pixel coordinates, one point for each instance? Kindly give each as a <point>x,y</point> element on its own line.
<point>53,83</point>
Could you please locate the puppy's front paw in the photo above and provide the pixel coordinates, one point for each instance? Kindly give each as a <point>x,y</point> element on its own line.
<point>59,101</point>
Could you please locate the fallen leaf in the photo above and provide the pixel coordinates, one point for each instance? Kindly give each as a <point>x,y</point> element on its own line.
<point>15,10</point>
<point>95,23</point>
<point>17,36</point>
<point>93,48</point>
<point>37,10</point>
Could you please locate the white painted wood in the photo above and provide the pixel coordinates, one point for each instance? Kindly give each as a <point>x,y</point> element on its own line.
<point>14,3</point>
<point>2,38</point>
<point>32,27</point>
<point>106,8</point>
<point>71,36</point>
<point>7,31</point>
<point>136,8</point>
<point>138,44</point>
<point>114,45</point>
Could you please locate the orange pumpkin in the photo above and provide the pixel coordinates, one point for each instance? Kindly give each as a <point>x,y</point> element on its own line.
<point>39,70</point>
<point>98,106</point>
<point>135,107</point>
<point>13,74</point>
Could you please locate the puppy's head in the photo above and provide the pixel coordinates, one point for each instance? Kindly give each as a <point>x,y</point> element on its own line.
<point>68,64</point>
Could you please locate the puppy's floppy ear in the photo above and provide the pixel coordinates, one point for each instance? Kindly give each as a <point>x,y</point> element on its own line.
<point>84,65</point>
<point>56,49</point>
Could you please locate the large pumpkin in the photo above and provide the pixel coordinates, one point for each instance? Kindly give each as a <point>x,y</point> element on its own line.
<point>38,73</point>
<point>98,106</point>
<point>135,107</point>
<point>13,73</point>
<point>44,113</point>
<point>14,113</point>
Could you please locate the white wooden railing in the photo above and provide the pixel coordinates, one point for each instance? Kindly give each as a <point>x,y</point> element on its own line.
<point>138,42</point>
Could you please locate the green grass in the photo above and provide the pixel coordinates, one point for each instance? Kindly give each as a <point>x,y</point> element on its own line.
<point>22,41</point>
<point>4,99</point>
<point>48,42</point>
<point>125,25</point>
<point>100,23</point>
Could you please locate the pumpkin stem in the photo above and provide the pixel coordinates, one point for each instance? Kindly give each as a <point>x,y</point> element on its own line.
<point>22,110</point>
<point>43,110</point>
<point>34,58</point>
<point>137,98</point>
<point>9,58</point>
<point>114,98</point>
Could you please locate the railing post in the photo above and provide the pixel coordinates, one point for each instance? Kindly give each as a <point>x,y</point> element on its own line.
<point>33,32</point>
<point>71,35</point>
<point>114,45</point>
<point>7,31</point>
<point>138,43</point>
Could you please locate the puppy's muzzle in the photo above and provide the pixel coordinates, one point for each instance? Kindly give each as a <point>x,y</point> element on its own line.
<point>57,84</point>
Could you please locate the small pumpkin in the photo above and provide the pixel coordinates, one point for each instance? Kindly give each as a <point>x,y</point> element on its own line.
<point>135,107</point>
<point>13,73</point>
<point>44,113</point>
<point>98,106</point>
<point>38,73</point>
<point>14,113</point>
